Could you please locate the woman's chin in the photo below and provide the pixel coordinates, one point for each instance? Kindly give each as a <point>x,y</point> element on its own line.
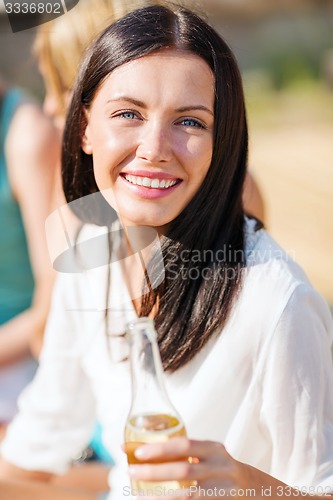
<point>158,223</point>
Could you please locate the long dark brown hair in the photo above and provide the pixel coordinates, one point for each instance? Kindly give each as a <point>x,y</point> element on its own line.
<point>197,294</point>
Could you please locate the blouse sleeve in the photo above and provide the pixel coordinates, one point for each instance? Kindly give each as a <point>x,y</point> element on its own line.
<point>298,394</point>
<point>56,411</point>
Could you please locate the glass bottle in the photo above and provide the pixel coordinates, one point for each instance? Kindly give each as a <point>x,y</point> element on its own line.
<point>152,417</point>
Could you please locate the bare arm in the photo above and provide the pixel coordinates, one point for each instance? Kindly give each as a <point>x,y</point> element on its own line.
<point>13,473</point>
<point>84,481</point>
<point>36,491</point>
<point>32,151</point>
<point>22,484</point>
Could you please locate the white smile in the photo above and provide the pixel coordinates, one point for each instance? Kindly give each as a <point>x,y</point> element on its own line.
<point>150,183</point>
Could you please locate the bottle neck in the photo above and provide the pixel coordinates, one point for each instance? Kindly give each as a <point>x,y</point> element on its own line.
<point>148,390</point>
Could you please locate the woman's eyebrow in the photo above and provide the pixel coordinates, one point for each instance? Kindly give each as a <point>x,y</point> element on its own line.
<point>195,107</point>
<point>182,109</point>
<point>140,104</point>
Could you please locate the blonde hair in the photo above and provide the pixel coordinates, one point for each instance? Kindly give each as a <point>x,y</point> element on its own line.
<point>60,44</point>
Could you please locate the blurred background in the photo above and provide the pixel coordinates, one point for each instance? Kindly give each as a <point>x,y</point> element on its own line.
<point>285,51</point>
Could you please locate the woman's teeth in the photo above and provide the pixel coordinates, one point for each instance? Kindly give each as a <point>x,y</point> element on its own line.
<point>150,183</point>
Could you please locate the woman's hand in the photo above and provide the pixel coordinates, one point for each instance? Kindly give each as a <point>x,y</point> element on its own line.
<point>210,467</point>
<point>205,469</point>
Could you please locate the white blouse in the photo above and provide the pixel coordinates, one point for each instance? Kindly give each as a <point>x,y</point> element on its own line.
<point>263,387</point>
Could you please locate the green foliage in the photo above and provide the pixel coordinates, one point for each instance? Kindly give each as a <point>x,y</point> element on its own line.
<point>289,68</point>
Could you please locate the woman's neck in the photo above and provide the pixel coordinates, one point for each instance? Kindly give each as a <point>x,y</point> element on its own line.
<point>135,252</point>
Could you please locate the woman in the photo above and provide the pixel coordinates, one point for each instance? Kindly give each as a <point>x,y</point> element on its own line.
<point>156,132</point>
<point>29,146</point>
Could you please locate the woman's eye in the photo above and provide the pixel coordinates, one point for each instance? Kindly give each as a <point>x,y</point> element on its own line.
<point>190,122</point>
<point>127,114</point>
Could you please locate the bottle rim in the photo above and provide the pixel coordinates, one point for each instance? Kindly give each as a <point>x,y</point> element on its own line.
<point>144,323</point>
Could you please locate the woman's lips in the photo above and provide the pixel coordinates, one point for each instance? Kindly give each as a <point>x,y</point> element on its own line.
<point>151,187</point>
<point>151,182</point>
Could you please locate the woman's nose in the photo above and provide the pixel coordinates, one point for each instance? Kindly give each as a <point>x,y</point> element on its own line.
<point>155,143</point>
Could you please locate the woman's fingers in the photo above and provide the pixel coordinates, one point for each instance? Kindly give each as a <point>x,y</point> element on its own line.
<point>203,464</point>
<point>181,449</point>
<point>178,471</point>
<point>168,471</point>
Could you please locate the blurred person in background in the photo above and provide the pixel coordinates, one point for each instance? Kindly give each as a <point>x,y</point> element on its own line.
<point>28,155</point>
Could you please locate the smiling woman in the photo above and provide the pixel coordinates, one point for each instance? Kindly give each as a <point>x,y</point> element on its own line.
<point>154,138</point>
<point>208,157</point>
<point>157,133</point>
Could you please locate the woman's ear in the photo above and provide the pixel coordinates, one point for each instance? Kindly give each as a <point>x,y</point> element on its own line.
<point>85,141</point>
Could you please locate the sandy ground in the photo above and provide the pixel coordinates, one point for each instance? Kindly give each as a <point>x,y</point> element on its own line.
<point>291,156</point>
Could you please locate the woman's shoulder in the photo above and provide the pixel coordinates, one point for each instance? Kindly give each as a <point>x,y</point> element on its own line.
<point>276,297</point>
<point>275,286</point>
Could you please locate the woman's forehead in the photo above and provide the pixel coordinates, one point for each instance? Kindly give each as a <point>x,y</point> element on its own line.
<point>172,74</point>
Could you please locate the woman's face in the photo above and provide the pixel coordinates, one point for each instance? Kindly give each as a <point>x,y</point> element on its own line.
<point>150,131</point>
